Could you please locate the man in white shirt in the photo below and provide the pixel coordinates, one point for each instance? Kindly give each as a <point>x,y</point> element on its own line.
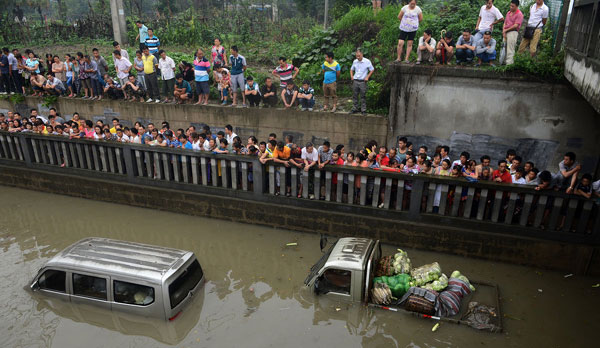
<point>123,52</point>
<point>122,66</point>
<point>229,134</point>
<point>488,16</point>
<point>426,48</point>
<point>538,16</point>
<point>166,65</point>
<point>360,73</point>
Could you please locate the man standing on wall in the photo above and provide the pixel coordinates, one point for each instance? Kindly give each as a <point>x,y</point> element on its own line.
<point>510,32</point>
<point>286,72</point>
<point>360,73</point>
<point>331,72</point>
<point>201,69</point>
<point>538,16</point>
<point>142,34</point>
<point>238,66</point>
<point>488,16</point>
<point>150,66</point>
<point>153,43</point>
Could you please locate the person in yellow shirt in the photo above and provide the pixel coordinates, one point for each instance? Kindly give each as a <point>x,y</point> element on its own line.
<point>115,122</point>
<point>150,68</point>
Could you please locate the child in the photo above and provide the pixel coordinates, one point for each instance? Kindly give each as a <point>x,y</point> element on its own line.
<point>224,84</point>
<point>584,187</point>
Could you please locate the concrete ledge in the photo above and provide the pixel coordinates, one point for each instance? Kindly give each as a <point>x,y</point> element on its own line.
<point>568,257</point>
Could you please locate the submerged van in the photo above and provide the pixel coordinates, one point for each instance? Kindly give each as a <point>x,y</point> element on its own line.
<point>118,275</point>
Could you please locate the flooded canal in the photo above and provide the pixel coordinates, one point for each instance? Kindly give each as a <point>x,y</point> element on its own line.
<point>254,295</point>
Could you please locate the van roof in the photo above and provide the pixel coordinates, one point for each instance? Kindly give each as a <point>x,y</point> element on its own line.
<point>116,257</point>
<point>349,253</point>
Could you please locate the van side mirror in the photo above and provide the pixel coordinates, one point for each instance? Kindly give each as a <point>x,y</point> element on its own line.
<point>35,285</point>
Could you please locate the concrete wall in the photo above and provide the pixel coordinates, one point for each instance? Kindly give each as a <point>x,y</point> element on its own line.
<point>339,128</point>
<point>584,73</point>
<point>317,217</point>
<point>482,111</point>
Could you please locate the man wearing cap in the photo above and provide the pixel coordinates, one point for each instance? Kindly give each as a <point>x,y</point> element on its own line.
<point>485,49</point>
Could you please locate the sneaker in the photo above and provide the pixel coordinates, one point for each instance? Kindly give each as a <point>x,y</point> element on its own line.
<point>11,93</point>
<point>224,103</point>
<point>303,109</point>
<point>334,109</point>
<point>364,113</point>
<point>157,101</point>
<point>3,93</point>
<point>418,62</point>
<point>381,205</point>
<point>84,97</point>
<point>149,100</point>
<point>311,196</point>
<point>310,109</point>
<point>244,105</point>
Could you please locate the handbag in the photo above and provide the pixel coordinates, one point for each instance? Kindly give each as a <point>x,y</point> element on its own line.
<point>528,33</point>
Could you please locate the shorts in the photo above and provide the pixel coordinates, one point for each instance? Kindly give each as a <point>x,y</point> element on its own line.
<point>190,95</point>
<point>225,92</point>
<point>70,81</point>
<point>202,87</point>
<point>86,83</point>
<point>237,82</point>
<point>407,36</point>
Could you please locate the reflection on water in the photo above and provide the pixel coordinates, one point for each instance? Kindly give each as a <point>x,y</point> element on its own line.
<point>254,295</point>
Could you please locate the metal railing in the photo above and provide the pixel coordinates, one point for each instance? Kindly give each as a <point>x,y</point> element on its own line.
<point>485,206</point>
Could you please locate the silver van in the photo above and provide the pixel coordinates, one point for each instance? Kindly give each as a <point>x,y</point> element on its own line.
<point>136,278</point>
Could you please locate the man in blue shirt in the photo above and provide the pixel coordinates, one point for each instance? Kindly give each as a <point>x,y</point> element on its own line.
<point>238,66</point>
<point>142,34</point>
<point>331,71</point>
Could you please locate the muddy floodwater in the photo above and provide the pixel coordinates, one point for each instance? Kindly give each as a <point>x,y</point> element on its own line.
<point>254,296</point>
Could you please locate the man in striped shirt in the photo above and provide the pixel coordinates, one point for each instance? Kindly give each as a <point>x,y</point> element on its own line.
<point>286,72</point>
<point>153,43</point>
<point>201,68</point>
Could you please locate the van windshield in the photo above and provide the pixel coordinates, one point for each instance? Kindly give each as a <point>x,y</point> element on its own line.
<point>180,287</point>
<point>314,270</point>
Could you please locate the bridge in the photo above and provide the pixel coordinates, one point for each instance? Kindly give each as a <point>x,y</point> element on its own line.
<point>507,223</point>
<point>582,50</point>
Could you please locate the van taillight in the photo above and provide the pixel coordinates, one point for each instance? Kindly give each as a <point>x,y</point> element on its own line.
<point>175,316</point>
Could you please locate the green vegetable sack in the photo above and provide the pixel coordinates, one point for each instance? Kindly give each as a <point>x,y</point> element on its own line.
<point>425,274</point>
<point>457,274</point>
<point>401,262</point>
<point>398,284</point>
<point>437,285</point>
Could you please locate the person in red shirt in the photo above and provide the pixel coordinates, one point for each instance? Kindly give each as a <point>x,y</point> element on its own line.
<point>382,157</point>
<point>501,174</point>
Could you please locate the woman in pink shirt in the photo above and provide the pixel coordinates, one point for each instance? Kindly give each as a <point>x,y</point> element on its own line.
<point>88,130</point>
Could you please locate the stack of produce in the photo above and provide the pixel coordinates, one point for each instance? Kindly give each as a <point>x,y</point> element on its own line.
<point>398,284</point>
<point>385,267</point>
<point>381,294</point>
<point>457,274</point>
<point>426,274</point>
<point>401,262</point>
<point>437,285</point>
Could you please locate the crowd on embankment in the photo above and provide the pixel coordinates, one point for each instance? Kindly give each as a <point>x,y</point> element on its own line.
<point>137,78</point>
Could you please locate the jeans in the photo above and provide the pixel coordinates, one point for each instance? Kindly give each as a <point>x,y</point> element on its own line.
<point>487,57</point>
<point>307,103</point>
<point>464,55</point>
<point>152,86</point>
<point>359,89</point>
<point>96,86</point>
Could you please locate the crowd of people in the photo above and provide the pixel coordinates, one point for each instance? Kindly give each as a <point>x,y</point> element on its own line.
<point>402,157</point>
<point>473,45</point>
<point>137,79</point>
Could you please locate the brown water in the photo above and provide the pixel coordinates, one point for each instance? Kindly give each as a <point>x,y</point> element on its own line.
<point>254,295</point>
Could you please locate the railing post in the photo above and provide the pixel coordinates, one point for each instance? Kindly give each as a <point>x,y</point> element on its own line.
<point>258,177</point>
<point>129,162</point>
<point>27,150</point>
<point>414,210</point>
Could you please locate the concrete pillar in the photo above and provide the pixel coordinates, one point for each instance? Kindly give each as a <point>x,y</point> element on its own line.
<point>117,13</point>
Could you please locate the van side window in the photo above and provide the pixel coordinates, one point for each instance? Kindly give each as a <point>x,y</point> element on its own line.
<point>89,286</point>
<point>53,280</point>
<point>135,294</point>
<point>335,280</point>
